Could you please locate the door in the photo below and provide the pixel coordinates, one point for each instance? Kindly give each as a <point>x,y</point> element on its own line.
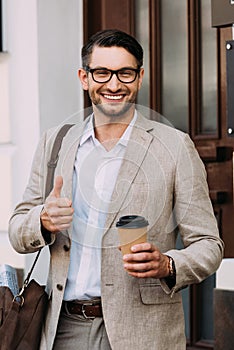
<point>189,89</point>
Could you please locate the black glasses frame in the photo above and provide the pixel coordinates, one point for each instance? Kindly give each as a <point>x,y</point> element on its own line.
<point>116,72</point>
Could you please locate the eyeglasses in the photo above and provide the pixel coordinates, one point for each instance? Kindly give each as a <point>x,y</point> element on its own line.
<point>103,75</point>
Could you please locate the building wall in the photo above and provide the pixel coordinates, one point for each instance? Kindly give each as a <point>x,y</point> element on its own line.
<point>38,89</point>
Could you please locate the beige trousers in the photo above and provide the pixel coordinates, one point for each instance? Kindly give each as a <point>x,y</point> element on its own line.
<point>75,332</point>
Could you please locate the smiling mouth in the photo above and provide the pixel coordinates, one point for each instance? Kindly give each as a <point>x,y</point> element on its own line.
<point>113,97</point>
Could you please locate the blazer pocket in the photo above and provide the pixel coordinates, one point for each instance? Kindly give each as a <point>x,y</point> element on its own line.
<point>154,294</point>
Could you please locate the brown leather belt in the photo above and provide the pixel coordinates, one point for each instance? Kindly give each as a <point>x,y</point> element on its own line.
<point>87,308</point>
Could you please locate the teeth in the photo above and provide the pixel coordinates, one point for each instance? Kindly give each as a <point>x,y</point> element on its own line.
<point>113,97</point>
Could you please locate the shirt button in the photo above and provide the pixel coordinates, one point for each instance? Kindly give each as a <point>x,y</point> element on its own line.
<point>59,287</point>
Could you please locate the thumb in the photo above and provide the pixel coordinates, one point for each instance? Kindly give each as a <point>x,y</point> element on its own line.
<point>58,184</point>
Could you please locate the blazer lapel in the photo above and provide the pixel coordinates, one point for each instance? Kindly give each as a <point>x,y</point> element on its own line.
<point>136,151</point>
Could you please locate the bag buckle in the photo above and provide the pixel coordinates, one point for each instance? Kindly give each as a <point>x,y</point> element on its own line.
<point>19,298</point>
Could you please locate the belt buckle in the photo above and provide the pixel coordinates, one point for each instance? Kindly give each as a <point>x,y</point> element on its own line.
<point>83,311</point>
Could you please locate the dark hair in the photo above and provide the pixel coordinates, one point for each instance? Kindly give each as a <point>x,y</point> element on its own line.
<point>109,38</point>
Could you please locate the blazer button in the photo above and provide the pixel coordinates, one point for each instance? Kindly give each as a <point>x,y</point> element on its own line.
<point>35,243</point>
<point>66,248</point>
<point>59,287</point>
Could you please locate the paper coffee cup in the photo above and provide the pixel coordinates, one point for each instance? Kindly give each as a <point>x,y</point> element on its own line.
<point>132,229</point>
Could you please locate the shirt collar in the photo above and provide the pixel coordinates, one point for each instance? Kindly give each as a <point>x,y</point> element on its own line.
<point>89,131</point>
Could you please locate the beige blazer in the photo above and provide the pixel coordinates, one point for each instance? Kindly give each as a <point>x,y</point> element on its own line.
<point>161,178</point>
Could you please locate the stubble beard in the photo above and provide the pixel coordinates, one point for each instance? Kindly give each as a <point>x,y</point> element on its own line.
<point>112,109</point>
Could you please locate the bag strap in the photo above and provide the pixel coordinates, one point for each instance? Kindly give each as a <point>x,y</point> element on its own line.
<point>51,165</point>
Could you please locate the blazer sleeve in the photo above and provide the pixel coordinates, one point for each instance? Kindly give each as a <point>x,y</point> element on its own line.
<point>24,226</point>
<point>195,220</point>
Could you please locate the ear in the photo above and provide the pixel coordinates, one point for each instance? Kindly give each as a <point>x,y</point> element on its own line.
<point>141,74</point>
<point>83,76</point>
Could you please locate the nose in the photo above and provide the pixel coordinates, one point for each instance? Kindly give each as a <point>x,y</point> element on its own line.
<point>114,84</point>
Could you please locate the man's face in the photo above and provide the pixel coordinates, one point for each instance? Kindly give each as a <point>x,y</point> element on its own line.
<point>112,98</point>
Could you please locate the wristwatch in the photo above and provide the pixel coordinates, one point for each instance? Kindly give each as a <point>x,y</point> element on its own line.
<point>171,266</point>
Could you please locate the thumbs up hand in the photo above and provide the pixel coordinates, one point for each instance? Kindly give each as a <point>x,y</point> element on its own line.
<point>57,212</point>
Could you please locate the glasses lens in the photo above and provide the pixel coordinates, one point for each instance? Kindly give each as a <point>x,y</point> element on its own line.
<point>101,75</point>
<point>127,75</point>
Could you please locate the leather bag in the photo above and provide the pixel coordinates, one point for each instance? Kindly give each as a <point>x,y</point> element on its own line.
<point>22,316</point>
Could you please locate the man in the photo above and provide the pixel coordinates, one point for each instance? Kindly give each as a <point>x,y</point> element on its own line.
<point>118,163</point>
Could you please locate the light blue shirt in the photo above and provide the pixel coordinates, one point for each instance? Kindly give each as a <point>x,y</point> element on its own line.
<point>95,174</point>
